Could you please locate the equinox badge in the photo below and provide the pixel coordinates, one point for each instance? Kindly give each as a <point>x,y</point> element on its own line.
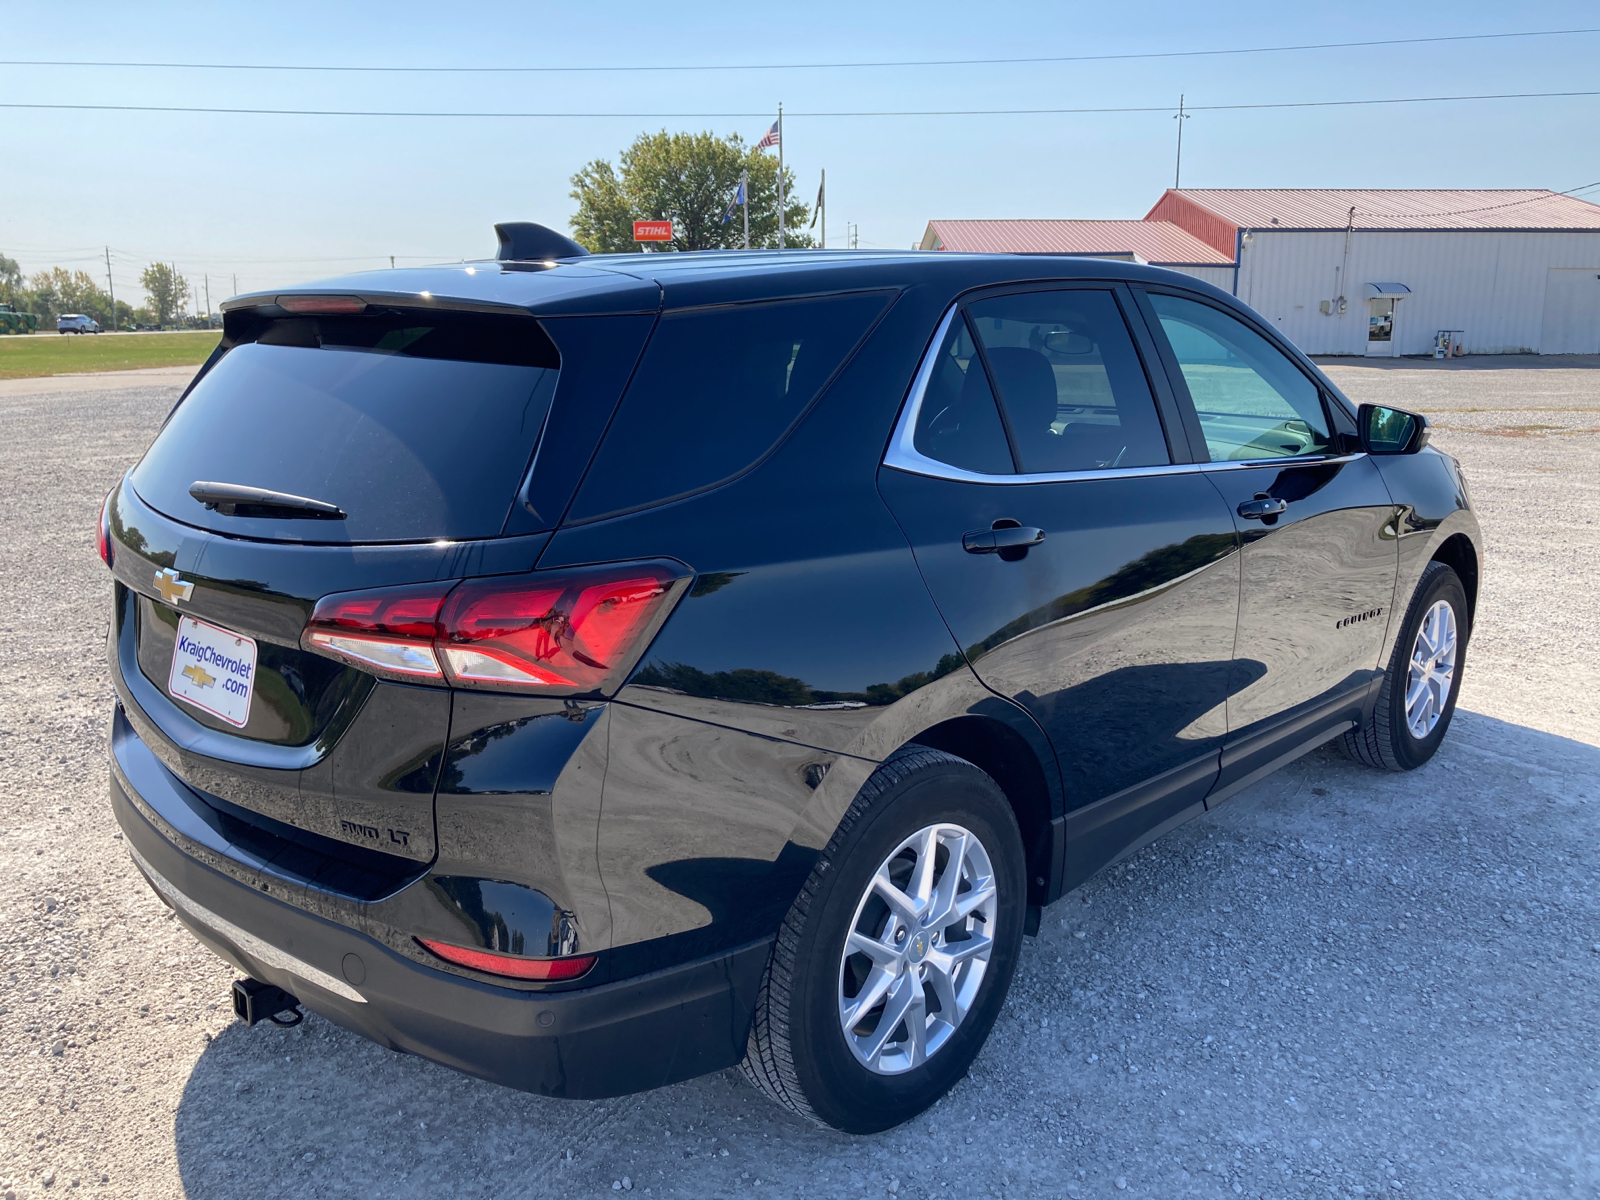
<point>171,586</point>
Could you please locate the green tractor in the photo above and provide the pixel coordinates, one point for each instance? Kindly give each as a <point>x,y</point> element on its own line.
<point>12,321</point>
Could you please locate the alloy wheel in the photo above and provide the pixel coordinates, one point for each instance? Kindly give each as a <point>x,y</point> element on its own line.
<point>918,949</point>
<point>1433,669</point>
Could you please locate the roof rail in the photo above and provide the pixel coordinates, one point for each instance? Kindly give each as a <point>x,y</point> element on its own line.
<point>523,241</point>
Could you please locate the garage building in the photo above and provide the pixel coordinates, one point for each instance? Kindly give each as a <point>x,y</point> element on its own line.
<point>1160,243</point>
<point>1369,272</point>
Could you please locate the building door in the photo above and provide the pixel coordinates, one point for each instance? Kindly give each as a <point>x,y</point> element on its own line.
<point>1380,327</point>
<point>1571,311</point>
<point>1085,573</point>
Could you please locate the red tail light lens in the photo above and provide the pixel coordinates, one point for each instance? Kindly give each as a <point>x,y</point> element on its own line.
<point>547,969</point>
<point>549,632</point>
<point>104,536</point>
<point>322,304</point>
<point>387,630</point>
<point>578,632</point>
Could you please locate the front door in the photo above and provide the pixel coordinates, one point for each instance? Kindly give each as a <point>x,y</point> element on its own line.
<point>1108,605</point>
<point>1318,532</point>
<point>1380,327</point>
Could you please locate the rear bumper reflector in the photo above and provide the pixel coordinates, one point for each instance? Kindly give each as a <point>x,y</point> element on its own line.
<point>249,943</point>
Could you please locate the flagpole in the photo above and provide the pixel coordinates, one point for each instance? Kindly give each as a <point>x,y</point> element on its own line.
<point>823,205</point>
<point>780,176</point>
<point>744,192</point>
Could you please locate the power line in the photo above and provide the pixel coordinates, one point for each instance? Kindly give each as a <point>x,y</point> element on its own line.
<point>798,66</point>
<point>659,116</point>
<point>1463,212</point>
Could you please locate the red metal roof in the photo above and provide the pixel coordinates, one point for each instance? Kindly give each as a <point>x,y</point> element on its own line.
<point>1387,208</point>
<point>1152,241</point>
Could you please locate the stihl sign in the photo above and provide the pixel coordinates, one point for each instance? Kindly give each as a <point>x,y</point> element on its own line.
<point>652,231</point>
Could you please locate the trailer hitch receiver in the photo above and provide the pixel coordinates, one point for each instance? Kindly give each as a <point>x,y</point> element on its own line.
<point>254,1001</point>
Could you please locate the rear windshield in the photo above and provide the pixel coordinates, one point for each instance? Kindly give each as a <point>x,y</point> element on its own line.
<point>418,426</point>
<point>716,390</point>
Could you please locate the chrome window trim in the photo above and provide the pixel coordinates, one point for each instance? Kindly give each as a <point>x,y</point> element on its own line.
<point>903,454</point>
<point>1298,460</point>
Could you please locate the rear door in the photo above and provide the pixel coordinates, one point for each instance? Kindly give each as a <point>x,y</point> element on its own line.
<point>1035,420</point>
<point>1315,521</point>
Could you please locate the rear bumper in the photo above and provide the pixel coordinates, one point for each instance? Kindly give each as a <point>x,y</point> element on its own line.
<point>587,1043</point>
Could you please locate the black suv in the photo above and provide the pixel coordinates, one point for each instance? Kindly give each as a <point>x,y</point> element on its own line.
<point>591,672</point>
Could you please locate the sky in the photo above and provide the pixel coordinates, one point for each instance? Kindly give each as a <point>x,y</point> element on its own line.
<point>271,200</point>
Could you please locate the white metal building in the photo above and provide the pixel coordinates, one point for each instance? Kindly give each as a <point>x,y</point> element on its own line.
<point>1384,271</point>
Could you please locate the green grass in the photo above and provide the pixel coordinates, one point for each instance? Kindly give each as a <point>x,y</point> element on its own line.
<point>24,356</point>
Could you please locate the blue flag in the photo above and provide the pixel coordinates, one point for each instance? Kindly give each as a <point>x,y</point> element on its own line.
<point>733,205</point>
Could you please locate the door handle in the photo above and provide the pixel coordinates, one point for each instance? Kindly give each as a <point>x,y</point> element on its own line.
<point>995,541</point>
<point>1262,507</point>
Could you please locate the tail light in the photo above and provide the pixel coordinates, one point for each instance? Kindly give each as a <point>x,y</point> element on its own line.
<point>322,304</point>
<point>552,970</point>
<point>104,533</point>
<point>387,630</point>
<point>549,632</point>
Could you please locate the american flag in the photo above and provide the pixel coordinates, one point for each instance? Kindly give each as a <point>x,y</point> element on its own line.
<point>771,139</point>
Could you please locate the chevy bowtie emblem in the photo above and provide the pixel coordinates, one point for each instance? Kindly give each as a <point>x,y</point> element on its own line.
<point>171,586</point>
<point>200,676</point>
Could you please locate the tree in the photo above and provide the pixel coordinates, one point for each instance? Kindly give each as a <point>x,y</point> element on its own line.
<point>166,289</point>
<point>10,280</point>
<point>58,290</point>
<point>687,178</point>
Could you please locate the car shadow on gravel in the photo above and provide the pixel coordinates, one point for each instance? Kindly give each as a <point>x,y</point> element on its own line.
<point>1341,980</point>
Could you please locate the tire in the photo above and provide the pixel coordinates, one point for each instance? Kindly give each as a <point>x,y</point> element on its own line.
<point>799,1051</point>
<point>1395,739</point>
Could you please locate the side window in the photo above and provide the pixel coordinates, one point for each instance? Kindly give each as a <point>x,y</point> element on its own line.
<point>1252,400</point>
<point>1070,381</point>
<point>958,423</point>
<point>716,390</point>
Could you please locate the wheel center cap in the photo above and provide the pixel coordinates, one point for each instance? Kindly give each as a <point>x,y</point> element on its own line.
<point>918,945</point>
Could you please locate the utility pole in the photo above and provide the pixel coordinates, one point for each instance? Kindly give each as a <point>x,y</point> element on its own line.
<point>112,288</point>
<point>780,175</point>
<point>208,301</point>
<point>235,283</point>
<point>1180,117</point>
<point>391,262</point>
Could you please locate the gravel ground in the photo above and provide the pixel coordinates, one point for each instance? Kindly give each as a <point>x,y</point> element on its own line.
<point>1338,984</point>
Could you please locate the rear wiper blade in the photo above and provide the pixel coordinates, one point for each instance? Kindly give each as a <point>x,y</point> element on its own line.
<point>237,500</point>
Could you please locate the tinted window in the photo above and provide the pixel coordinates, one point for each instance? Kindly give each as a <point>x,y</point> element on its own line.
<point>958,423</point>
<point>715,391</point>
<point>377,416</point>
<point>1252,399</point>
<point>1070,381</point>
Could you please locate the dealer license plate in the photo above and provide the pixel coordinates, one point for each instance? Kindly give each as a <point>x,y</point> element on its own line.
<point>214,669</point>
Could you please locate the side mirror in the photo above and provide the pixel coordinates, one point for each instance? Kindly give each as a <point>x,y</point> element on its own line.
<point>1391,430</point>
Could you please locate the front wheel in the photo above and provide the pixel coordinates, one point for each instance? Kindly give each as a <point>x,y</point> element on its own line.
<point>1420,687</point>
<point>895,959</point>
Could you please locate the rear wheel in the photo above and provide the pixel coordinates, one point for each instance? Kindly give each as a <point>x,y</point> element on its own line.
<point>1424,677</point>
<point>892,965</point>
